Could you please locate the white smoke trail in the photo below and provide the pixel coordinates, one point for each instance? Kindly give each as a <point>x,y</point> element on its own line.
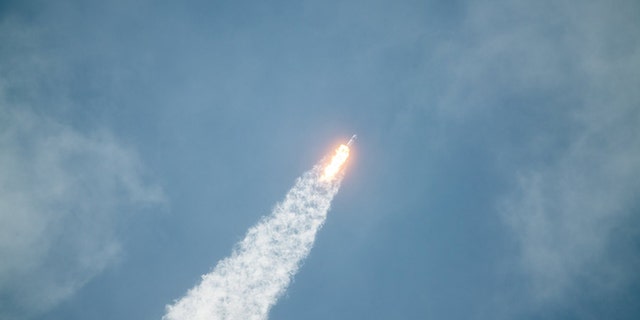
<point>247,284</point>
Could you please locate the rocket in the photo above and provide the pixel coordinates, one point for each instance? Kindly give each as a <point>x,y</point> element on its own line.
<point>353,139</point>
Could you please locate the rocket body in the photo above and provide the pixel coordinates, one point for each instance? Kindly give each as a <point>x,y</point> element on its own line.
<point>352,140</point>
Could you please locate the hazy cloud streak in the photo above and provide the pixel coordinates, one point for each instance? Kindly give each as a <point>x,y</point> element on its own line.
<point>62,196</point>
<point>573,210</point>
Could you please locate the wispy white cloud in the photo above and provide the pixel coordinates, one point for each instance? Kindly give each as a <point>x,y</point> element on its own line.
<point>64,192</point>
<point>62,195</point>
<point>569,216</point>
<point>570,72</point>
<point>576,199</point>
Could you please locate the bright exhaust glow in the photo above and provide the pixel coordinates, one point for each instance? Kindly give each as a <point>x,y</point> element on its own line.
<point>342,153</point>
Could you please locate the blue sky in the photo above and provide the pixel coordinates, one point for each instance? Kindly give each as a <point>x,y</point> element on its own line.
<point>496,175</point>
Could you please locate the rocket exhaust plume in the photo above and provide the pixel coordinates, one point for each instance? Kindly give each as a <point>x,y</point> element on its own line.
<point>245,285</point>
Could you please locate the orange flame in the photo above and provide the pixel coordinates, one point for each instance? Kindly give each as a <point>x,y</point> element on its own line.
<point>342,153</point>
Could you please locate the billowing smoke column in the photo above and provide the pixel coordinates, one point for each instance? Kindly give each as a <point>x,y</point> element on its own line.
<point>247,284</point>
